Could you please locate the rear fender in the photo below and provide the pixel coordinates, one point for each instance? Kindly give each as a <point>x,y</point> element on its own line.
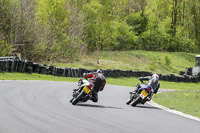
<point>85,83</point>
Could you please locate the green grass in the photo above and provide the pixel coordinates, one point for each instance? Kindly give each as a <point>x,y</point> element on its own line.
<point>122,81</point>
<point>180,85</point>
<point>187,102</point>
<point>34,76</point>
<point>130,81</point>
<point>156,62</point>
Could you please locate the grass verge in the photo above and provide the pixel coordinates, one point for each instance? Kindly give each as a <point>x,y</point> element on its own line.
<point>122,81</point>
<point>34,76</point>
<point>132,81</point>
<point>187,102</point>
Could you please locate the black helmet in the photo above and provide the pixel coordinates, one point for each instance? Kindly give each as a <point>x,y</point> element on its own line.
<point>100,71</point>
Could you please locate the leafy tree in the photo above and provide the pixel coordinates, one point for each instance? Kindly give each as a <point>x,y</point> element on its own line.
<point>65,29</point>
<point>122,37</point>
<point>5,19</point>
<point>138,21</point>
<point>52,20</point>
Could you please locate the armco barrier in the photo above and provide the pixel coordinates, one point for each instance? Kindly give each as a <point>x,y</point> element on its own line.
<point>24,66</point>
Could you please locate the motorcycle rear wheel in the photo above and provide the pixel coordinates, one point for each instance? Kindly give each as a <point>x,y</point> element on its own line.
<point>129,101</point>
<point>138,100</point>
<point>71,100</point>
<point>78,98</point>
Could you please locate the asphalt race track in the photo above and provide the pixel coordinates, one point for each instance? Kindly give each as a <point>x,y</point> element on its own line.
<point>43,107</point>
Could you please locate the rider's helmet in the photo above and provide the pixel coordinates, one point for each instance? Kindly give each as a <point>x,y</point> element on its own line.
<point>155,76</point>
<point>100,71</point>
<point>153,82</point>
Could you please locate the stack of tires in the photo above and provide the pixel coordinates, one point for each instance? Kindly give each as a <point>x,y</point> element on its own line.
<point>12,64</point>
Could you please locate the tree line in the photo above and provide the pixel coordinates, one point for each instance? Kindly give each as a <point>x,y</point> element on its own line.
<point>67,29</point>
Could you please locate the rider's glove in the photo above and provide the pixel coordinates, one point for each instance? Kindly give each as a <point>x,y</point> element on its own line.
<point>141,79</point>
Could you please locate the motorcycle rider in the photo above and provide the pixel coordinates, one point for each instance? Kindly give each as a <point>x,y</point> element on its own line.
<point>153,82</point>
<point>98,81</point>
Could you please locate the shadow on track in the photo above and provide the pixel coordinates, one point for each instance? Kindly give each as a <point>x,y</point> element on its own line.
<point>146,107</point>
<point>98,106</point>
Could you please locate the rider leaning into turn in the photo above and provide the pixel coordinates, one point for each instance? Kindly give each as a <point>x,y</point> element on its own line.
<point>97,81</point>
<point>153,82</point>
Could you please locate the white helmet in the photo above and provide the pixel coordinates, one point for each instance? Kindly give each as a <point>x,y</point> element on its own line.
<point>155,75</point>
<point>100,71</point>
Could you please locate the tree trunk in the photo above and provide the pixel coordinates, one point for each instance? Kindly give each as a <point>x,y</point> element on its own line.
<point>195,20</point>
<point>174,18</point>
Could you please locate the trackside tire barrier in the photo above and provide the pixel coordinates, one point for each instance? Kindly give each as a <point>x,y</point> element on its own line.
<point>24,66</point>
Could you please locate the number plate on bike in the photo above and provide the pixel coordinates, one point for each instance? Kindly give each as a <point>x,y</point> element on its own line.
<point>144,93</point>
<point>86,89</point>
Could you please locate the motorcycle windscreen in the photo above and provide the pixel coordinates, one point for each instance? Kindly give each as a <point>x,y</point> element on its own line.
<point>86,89</point>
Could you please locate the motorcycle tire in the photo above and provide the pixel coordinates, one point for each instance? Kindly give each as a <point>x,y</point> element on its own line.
<point>129,101</point>
<point>71,100</point>
<point>78,98</point>
<point>138,100</point>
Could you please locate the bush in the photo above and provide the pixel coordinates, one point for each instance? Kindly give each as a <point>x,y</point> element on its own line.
<point>167,61</point>
<point>122,38</point>
<point>5,48</point>
<point>137,21</point>
<point>152,40</point>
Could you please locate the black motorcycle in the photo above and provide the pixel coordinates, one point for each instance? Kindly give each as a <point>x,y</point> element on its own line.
<point>140,95</point>
<point>82,93</point>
